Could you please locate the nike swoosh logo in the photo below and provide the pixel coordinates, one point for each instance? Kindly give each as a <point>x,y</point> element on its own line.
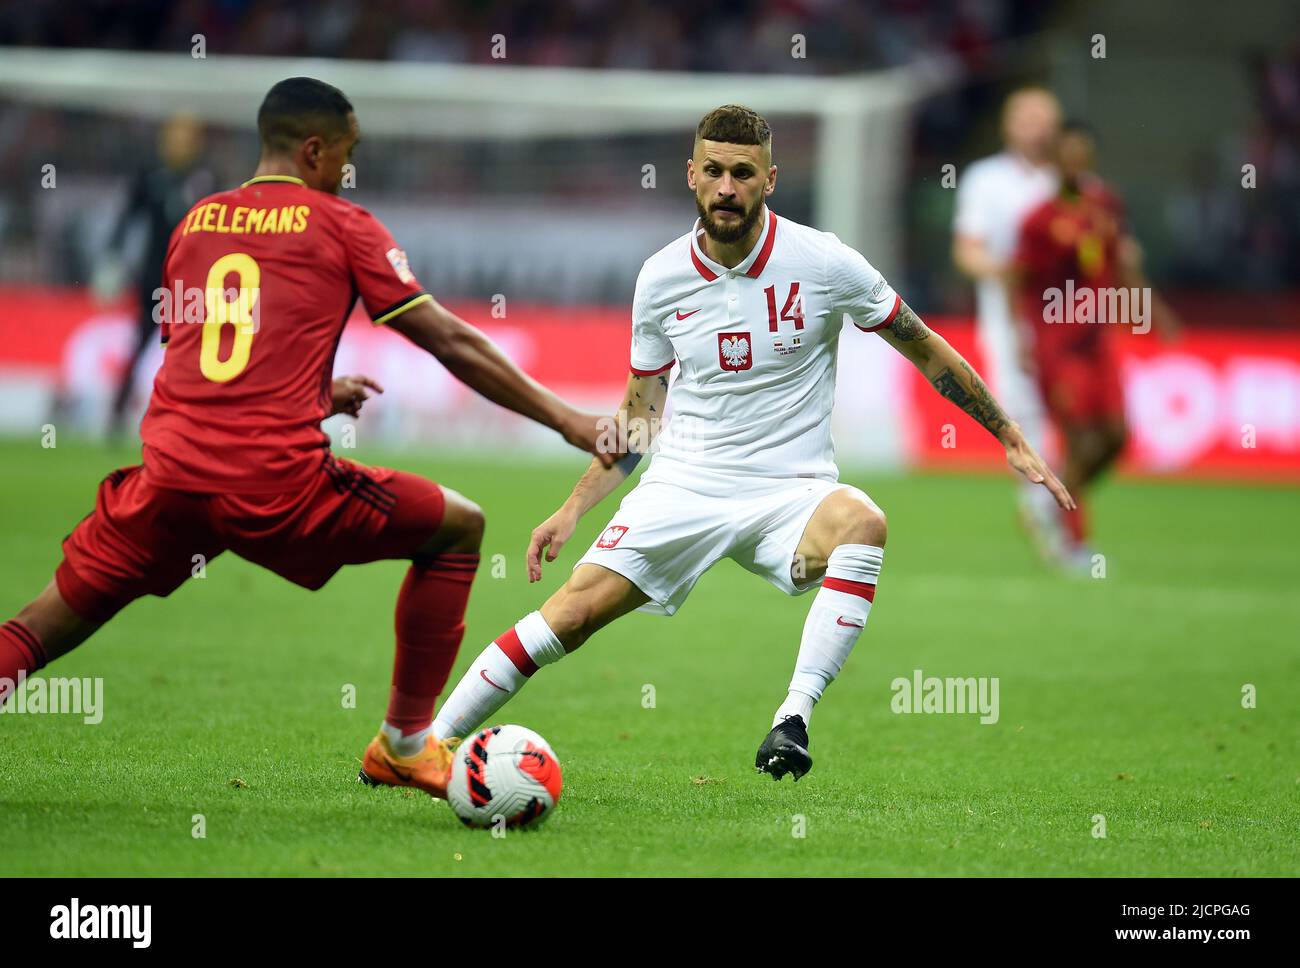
<point>851,625</point>
<point>483,673</point>
<point>687,315</point>
<point>404,777</point>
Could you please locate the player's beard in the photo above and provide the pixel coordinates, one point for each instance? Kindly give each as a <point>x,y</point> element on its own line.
<point>731,232</point>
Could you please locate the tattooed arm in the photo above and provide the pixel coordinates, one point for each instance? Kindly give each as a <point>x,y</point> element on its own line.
<point>639,418</point>
<point>953,377</point>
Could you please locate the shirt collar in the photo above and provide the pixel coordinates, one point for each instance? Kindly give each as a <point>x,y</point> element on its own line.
<point>752,265</point>
<point>259,179</point>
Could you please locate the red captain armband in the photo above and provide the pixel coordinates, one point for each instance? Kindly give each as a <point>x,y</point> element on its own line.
<point>663,369</point>
<point>898,301</point>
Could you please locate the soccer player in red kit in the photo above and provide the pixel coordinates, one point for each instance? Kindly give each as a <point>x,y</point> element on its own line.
<point>1074,251</point>
<point>259,282</point>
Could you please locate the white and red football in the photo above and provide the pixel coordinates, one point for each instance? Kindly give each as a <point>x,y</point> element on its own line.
<point>504,776</point>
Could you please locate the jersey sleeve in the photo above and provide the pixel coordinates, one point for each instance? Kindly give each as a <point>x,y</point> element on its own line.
<point>652,351</point>
<point>971,215</point>
<point>380,270</point>
<point>856,288</point>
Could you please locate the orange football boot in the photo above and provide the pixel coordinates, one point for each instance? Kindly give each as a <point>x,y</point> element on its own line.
<point>427,770</point>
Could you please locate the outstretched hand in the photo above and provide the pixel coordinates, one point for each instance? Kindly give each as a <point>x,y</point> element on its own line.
<point>1025,459</point>
<point>549,536</point>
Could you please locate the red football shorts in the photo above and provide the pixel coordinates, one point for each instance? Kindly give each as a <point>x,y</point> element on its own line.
<point>1081,386</point>
<point>147,540</point>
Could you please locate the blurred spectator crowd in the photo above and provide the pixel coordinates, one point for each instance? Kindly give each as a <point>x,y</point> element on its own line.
<point>723,35</point>
<point>1225,236</point>
<point>1216,235</point>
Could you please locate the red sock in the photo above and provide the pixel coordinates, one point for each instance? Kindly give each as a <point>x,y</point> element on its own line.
<point>1076,522</point>
<point>21,654</point>
<point>430,622</point>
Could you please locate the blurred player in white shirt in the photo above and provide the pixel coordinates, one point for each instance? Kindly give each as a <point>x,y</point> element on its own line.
<point>750,307</point>
<point>994,195</point>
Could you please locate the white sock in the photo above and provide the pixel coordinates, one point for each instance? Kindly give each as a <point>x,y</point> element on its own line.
<point>796,704</point>
<point>496,675</point>
<point>405,745</point>
<point>836,619</point>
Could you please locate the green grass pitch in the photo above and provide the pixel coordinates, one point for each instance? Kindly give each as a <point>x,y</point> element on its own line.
<point>1120,697</point>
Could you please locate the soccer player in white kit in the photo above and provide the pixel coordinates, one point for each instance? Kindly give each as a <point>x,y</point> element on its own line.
<point>750,307</point>
<point>994,195</point>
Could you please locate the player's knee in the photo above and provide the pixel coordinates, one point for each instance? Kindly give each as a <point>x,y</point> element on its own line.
<point>1118,439</point>
<point>859,520</point>
<point>871,526</point>
<point>1098,448</point>
<point>589,600</point>
<point>462,524</point>
<point>474,522</point>
<point>571,617</point>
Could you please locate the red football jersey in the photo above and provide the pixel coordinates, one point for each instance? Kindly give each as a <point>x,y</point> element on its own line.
<point>1069,245</point>
<point>261,282</point>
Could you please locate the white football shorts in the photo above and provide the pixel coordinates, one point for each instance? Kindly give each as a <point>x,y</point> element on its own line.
<point>664,535</point>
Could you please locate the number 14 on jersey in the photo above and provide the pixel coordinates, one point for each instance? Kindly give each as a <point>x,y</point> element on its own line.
<point>791,312</point>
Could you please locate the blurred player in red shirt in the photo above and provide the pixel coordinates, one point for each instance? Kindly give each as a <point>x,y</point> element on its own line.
<point>258,284</point>
<point>1075,261</point>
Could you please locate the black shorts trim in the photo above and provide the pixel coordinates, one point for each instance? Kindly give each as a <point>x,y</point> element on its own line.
<point>359,485</point>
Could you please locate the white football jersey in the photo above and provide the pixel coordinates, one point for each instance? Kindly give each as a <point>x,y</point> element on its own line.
<point>993,197</point>
<point>756,351</point>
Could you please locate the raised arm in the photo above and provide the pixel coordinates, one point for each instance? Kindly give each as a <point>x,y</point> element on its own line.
<point>639,418</point>
<point>953,377</point>
<point>479,363</point>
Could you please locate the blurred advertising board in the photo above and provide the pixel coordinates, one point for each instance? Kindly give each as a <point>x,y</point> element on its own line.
<point>1220,401</point>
